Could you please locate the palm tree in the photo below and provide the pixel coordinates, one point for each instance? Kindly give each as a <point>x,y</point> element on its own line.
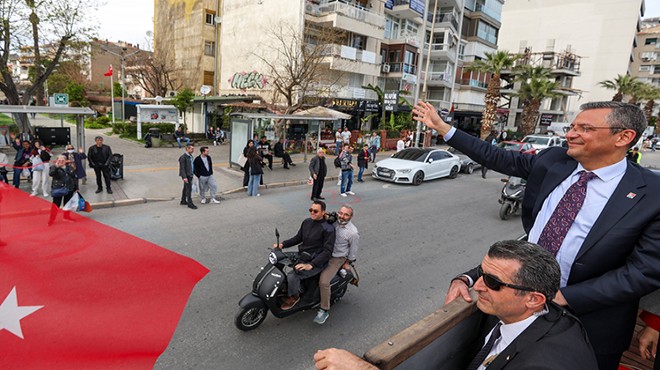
<point>494,64</point>
<point>623,84</point>
<point>649,93</point>
<point>535,86</point>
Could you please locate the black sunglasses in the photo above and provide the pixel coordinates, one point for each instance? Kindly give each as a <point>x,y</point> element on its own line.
<point>496,284</point>
<point>314,210</point>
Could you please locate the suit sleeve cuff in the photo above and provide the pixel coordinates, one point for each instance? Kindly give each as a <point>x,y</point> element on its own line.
<point>650,319</point>
<point>450,134</point>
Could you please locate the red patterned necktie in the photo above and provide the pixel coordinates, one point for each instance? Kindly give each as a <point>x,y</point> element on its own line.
<point>562,218</point>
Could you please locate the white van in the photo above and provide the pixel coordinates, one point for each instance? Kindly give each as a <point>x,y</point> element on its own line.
<point>541,142</point>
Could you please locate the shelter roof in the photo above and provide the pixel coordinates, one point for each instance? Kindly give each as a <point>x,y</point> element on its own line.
<point>44,110</point>
<point>283,116</point>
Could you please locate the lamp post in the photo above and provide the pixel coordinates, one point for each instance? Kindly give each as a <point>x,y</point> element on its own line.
<point>122,57</point>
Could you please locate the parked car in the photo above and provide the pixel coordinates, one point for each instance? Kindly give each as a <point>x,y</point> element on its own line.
<point>467,164</point>
<point>518,146</point>
<point>541,142</point>
<point>415,165</point>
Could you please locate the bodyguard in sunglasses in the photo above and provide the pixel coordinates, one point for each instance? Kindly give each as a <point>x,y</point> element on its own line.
<point>315,240</point>
<point>516,283</point>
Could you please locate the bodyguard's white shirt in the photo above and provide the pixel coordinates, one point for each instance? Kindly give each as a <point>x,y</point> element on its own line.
<point>599,191</point>
<point>509,332</point>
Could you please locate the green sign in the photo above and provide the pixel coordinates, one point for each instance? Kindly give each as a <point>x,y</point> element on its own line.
<point>61,99</point>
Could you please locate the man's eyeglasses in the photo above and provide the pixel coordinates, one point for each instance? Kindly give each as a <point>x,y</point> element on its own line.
<point>496,284</point>
<point>585,129</point>
<point>312,210</point>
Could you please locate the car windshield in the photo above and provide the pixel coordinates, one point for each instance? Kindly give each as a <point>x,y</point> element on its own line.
<point>537,140</point>
<point>411,155</point>
<point>510,146</point>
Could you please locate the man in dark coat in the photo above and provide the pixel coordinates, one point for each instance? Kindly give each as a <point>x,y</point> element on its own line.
<point>318,170</point>
<point>279,152</point>
<point>99,157</point>
<point>186,174</point>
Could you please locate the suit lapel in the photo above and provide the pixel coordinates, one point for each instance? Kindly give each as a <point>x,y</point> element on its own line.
<point>528,337</point>
<point>619,205</point>
<point>555,175</point>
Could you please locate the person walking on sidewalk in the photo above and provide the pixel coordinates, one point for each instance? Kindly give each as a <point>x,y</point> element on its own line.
<point>347,167</point>
<point>203,168</point>
<point>318,170</point>
<point>339,140</point>
<point>362,160</point>
<point>374,145</point>
<point>186,174</point>
<point>99,157</point>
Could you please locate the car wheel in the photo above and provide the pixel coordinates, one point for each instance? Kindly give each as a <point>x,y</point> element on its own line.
<point>454,172</point>
<point>470,168</point>
<point>418,178</point>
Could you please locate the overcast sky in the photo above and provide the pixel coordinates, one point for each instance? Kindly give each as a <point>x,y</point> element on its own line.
<point>129,20</point>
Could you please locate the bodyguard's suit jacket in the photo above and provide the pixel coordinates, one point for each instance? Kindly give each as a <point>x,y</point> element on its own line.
<point>619,260</point>
<point>185,166</point>
<point>555,340</point>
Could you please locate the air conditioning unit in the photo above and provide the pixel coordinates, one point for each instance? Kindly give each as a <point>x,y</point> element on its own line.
<point>386,68</point>
<point>171,94</point>
<point>312,9</point>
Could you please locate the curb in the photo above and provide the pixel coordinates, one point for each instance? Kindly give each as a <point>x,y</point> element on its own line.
<point>127,202</point>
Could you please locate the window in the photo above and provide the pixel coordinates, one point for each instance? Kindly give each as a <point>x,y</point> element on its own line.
<point>357,41</point>
<point>645,68</point>
<point>395,56</point>
<point>209,17</point>
<point>209,48</point>
<point>461,51</point>
<point>648,55</point>
<point>208,78</point>
<point>487,32</point>
<point>391,27</point>
<point>409,61</point>
<point>409,28</point>
<point>651,41</point>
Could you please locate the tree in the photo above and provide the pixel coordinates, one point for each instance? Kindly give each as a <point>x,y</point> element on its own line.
<point>117,89</point>
<point>155,75</point>
<point>183,101</point>
<point>623,84</point>
<point>381,100</point>
<point>53,26</point>
<point>77,94</point>
<point>494,64</point>
<point>535,86</point>
<point>649,93</point>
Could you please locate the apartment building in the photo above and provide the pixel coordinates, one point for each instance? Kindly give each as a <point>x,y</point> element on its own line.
<point>646,65</point>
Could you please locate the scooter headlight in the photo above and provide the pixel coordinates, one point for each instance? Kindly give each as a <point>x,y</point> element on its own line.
<point>272,258</point>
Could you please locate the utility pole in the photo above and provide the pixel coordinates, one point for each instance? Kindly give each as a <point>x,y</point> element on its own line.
<point>122,57</point>
<point>426,71</point>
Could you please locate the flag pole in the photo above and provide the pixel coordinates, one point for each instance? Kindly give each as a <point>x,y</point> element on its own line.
<point>112,99</point>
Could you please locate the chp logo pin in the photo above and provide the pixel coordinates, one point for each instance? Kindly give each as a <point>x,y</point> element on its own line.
<point>631,195</point>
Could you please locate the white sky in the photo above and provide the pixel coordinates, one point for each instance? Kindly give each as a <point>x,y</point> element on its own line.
<point>129,20</point>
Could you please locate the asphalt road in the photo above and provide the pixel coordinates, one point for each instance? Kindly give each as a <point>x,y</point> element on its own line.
<point>413,241</point>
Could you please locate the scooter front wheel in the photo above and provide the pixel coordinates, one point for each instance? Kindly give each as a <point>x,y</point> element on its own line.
<point>251,316</point>
<point>506,210</point>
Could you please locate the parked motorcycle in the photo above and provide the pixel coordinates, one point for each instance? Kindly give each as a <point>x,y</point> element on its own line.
<point>270,289</point>
<point>512,196</point>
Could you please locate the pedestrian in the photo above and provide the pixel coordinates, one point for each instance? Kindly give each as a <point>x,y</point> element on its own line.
<point>374,146</point>
<point>99,157</point>
<point>634,155</point>
<point>186,174</point>
<point>279,152</point>
<point>347,167</point>
<point>40,161</point>
<point>338,141</point>
<point>21,160</point>
<point>492,139</point>
<point>4,167</point>
<point>5,138</point>
<point>62,187</point>
<point>256,170</point>
<point>210,135</point>
<point>76,158</point>
<point>346,136</point>
<point>318,170</point>
<point>265,151</point>
<point>362,161</point>
<point>246,166</point>
<point>400,145</point>
<point>203,169</point>
<point>180,134</point>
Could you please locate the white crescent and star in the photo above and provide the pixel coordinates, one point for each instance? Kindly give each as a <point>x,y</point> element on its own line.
<point>11,314</point>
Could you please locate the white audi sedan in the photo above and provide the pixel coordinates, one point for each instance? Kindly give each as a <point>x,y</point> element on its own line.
<point>415,165</point>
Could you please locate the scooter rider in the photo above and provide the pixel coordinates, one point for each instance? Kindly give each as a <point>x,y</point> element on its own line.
<point>316,237</point>
<point>347,242</point>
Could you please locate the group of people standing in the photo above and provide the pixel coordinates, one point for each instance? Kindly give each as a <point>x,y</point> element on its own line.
<point>202,168</point>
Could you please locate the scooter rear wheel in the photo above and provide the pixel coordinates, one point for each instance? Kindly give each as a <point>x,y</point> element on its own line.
<point>251,316</point>
<point>506,210</point>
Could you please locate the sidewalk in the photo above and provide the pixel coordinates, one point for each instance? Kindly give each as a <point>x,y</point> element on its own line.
<point>152,174</point>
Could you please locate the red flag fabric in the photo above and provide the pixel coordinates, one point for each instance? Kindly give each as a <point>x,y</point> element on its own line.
<point>109,72</point>
<point>80,294</point>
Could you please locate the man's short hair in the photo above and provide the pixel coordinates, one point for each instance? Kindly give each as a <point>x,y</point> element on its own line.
<point>263,137</point>
<point>320,203</point>
<point>98,137</point>
<point>538,270</point>
<point>189,145</point>
<point>320,150</point>
<point>349,207</point>
<point>203,149</point>
<point>624,116</point>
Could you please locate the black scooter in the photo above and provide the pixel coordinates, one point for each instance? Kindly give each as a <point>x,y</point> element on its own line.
<point>512,196</point>
<point>270,289</point>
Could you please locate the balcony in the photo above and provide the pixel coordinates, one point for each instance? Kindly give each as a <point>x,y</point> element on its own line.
<point>472,83</point>
<point>441,51</point>
<point>403,9</point>
<point>355,93</point>
<point>489,12</point>
<point>443,20</point>
<point>399,68</point>
<point>437,79</point>
<point>348,59</point>
<point>347,17</point>
<point>403,37</point>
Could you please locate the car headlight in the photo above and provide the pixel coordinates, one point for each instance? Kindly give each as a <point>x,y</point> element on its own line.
<point>404,171</point>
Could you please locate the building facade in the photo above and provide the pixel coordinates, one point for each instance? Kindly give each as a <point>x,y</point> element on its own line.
<point>646,65</point>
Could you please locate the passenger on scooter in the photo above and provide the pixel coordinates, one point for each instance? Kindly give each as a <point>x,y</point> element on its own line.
<point>347,242</point>
<point>315,240</point>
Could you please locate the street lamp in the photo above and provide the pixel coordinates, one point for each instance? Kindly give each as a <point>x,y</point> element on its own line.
<point>122,58</point>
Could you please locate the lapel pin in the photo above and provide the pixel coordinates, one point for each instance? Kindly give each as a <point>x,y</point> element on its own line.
<point>631,195</point>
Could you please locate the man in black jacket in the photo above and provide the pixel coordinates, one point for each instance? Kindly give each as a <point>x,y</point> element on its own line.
<point>186,174</point>
<point>203,168</point>
<point>99,157</point>
<point>281,153</point>
<point>315,240</point>
<point>318,170</point>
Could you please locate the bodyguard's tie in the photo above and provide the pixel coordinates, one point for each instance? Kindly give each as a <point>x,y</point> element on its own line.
<point>485,350</point>
<point>562,218</point>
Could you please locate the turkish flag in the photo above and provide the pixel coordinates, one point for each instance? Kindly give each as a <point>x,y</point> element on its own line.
<point>109,72</point>
<point>80,294</point>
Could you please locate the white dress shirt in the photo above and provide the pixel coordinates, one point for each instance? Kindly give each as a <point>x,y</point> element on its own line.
<point>509,332</point>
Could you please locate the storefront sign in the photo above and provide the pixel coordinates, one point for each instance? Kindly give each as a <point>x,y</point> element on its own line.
<point>370,106</point>
<point>546,119</point>
<point>390,101</point>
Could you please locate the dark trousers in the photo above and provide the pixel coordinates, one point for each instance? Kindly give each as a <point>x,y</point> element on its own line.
<point>17,177</point>
<point>270,160</point>
<point>293,279</point>
<point>3,177</point>
<point>317,187</point>
<point>608,361</point>
<point>286,158</point>
<point>105,170</point>
<point>186,193</point>
<point>484,170</point>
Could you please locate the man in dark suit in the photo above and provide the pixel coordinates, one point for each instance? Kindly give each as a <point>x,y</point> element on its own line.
<point>525,330</point>
<point>605,243</point>
<point>186,174</point>
<point>318,170</point>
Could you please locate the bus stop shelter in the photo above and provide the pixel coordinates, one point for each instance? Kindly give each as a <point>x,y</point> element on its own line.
<point>79,114</point>
<point>243,126</point>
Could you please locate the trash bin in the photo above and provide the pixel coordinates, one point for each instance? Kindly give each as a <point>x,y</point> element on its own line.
<point>153,137</point>
<point>117,166</point>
